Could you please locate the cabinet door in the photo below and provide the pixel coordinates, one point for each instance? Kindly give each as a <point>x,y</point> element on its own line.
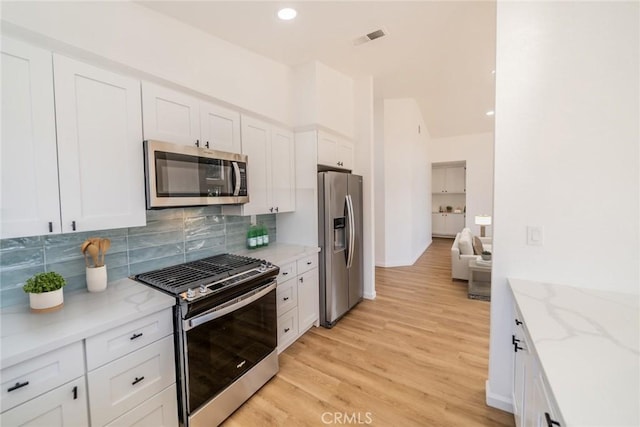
<point>99,128</point>
<point>327,150</point>
<point>159,411</point>
<point>256,141</point>
<point>438,180</point>
<point>438,223</point>
<point>169,115</point>
<point>345,154</point>
<point>29,198</point>
<point>453,223</point>
<point>455,180</point>
<point>220,128</point>
<point>283,170</point>
<point>64,406</point>
<point>307,299</point>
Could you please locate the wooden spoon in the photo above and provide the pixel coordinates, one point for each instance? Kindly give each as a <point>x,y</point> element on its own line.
<point>105,244</point>
<point>83,249</point>
<point>94,251</point>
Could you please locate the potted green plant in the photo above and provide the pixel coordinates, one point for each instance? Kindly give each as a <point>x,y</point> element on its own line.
<point>45,291</point>
<point>486,255</point>
<point>449,208</point>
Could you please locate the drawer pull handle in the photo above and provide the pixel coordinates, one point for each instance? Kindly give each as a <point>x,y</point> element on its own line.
<point>514,340</point>
<point>134,336</point>
<point>75,392</point>
<point>302,280</point>
<point>550,422</point>
<point>285,299</point>
<point>286,330</point>
<point>308,262</point>
<point>241,364</point>
<point>518,323</point>
<point>284,273</point>
<point>137,380</point>
<point>17,386</point>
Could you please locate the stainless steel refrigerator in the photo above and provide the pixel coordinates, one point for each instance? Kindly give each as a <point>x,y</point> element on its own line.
<point>340,240</point>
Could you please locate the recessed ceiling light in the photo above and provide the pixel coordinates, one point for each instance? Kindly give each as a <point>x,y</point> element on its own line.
<point>490,113</point>
<point>493,72</point>
<point>287,14</point>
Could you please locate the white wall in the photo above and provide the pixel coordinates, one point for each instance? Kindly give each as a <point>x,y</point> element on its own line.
<point>146,41</point>
<point>405,183</point>
<point>477,150</point>
<point>566,155</point>
<point>379,178</point>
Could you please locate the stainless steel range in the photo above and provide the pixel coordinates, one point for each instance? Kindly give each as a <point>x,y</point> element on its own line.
<point>225,329</point>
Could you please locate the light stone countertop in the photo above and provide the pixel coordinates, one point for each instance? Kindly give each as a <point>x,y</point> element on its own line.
<point>280,253</point>
<point>84,314</point>
<point>588,345</point>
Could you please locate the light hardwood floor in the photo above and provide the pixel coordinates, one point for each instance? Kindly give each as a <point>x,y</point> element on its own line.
<point>415,356</point>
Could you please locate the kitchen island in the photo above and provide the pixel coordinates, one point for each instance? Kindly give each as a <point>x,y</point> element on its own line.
<point>585,352</point>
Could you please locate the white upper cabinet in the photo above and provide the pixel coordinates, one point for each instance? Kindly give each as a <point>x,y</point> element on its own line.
<point>170,115</point>
<point>173,116</point>
<point>99,128</point>
<point>334,151</point>
<point>270,169</point>
<point>29,198</point>
<point>448,179</point>
<point>219,128</point>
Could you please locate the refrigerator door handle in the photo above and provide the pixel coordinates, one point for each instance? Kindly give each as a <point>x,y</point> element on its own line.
<point>351,230</point>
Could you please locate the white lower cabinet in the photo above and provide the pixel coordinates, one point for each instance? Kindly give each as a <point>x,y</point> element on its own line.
<point>159,411</point>
<point>297,299</point>
<point>64,406</point>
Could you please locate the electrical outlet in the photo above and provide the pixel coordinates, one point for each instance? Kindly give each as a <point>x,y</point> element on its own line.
<point>534,235</point>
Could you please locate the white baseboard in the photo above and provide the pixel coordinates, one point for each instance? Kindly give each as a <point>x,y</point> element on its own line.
<point>497,400</point>
<point>369,295</point>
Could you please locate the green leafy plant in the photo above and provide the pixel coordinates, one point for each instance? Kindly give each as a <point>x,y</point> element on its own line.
<point>44,282</point>
<point>486,253</point>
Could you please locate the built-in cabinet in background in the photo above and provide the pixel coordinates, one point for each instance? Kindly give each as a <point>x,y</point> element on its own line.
<point>177,117</point>
<point>334,151</point>
<point>72,164</point>
<point>270,169</point>
<point>448,189</point>
<point>533,405</point>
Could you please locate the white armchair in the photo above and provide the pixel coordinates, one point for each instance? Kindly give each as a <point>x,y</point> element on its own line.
<point>460,257</point>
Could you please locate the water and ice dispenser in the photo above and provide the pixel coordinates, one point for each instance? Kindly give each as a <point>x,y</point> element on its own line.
<point>339,235</point>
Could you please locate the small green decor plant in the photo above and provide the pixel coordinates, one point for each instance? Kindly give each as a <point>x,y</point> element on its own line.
<point>449,208</point>
<point>44,282</point>
<point>486,255</point>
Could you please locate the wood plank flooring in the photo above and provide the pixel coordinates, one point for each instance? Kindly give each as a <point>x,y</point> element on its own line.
<point>417,355</point>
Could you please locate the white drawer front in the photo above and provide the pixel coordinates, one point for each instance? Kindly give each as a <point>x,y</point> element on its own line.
<point>33,377</point>
<point>159,411</point>
<point>117,342</point>
<point>287,271</point>
<point>125,383</point>
<point>287,296</point>
<point>307,263</point>
<point>287,329</point>
<point>65,406</point>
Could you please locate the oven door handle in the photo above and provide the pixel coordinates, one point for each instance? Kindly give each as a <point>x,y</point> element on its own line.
<point>227,308</point>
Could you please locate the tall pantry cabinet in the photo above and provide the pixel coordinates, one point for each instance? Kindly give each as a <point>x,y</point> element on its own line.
<point>448,198</point>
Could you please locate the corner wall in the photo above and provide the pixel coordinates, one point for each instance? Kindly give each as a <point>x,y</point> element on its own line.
<point>567,156</point>
<point>477,150</point>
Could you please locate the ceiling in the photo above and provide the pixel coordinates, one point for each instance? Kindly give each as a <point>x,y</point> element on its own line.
<point>441,53</point>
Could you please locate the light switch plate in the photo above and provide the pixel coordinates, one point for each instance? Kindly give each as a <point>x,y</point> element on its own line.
<point>534,235</point>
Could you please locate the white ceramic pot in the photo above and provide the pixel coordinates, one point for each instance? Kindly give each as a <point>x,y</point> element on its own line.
<point>97,278</point>
<point>46,301</point>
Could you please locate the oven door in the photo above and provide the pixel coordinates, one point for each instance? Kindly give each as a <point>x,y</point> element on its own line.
<point>224,343</point>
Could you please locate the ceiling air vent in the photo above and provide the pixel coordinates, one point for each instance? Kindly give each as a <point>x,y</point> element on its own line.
<point>370,36</point>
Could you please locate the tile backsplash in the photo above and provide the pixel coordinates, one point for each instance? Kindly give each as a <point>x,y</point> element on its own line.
<point>171,236</point>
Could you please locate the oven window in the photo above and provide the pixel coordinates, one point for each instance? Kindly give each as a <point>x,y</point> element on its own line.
<point>182,175</point>
<point>222,350</point>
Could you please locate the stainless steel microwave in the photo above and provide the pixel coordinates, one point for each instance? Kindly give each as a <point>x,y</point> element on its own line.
<point>180,175</point>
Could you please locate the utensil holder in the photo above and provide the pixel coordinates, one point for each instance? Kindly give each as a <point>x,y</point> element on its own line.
<point>97,278</point>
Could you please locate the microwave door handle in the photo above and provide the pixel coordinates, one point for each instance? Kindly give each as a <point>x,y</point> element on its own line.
<point>236,174</point>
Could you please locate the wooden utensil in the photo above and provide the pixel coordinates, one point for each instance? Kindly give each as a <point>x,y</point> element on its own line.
<point>105,244</point>
<point>83,249</point>
<point>94,251</point>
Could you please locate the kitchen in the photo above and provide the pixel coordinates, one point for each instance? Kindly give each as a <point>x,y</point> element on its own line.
<point>262,97</point>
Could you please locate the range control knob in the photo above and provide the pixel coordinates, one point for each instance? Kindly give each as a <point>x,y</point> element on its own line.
<point>203,289</point>
<point>191,293</point>
<point>263,267</point>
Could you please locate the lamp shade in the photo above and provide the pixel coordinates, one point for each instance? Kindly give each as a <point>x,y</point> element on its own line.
<point>483,220</point>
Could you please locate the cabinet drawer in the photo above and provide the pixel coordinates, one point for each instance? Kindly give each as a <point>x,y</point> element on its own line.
<point>122,340</point>
<point>287,296</point>
<point>307,263</point>
<point>64,406</point>
<point>35,376</point>
<point>159,411</point>
<point>125,383</point>
<point>287,329</point>
<point>287,271</point>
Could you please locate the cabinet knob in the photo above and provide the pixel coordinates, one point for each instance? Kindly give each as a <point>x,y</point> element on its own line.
<point>285,299</point>
<point>197,143</point>
<point>270,209</point>
<point>277,208</point>
<point>207,144</point>
<point>284,273</point>
<point>286,330</point>
<point>302,280</point>
<point>518,323</point>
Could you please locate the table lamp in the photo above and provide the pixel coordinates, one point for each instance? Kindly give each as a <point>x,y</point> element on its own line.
<point>482,221</point>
